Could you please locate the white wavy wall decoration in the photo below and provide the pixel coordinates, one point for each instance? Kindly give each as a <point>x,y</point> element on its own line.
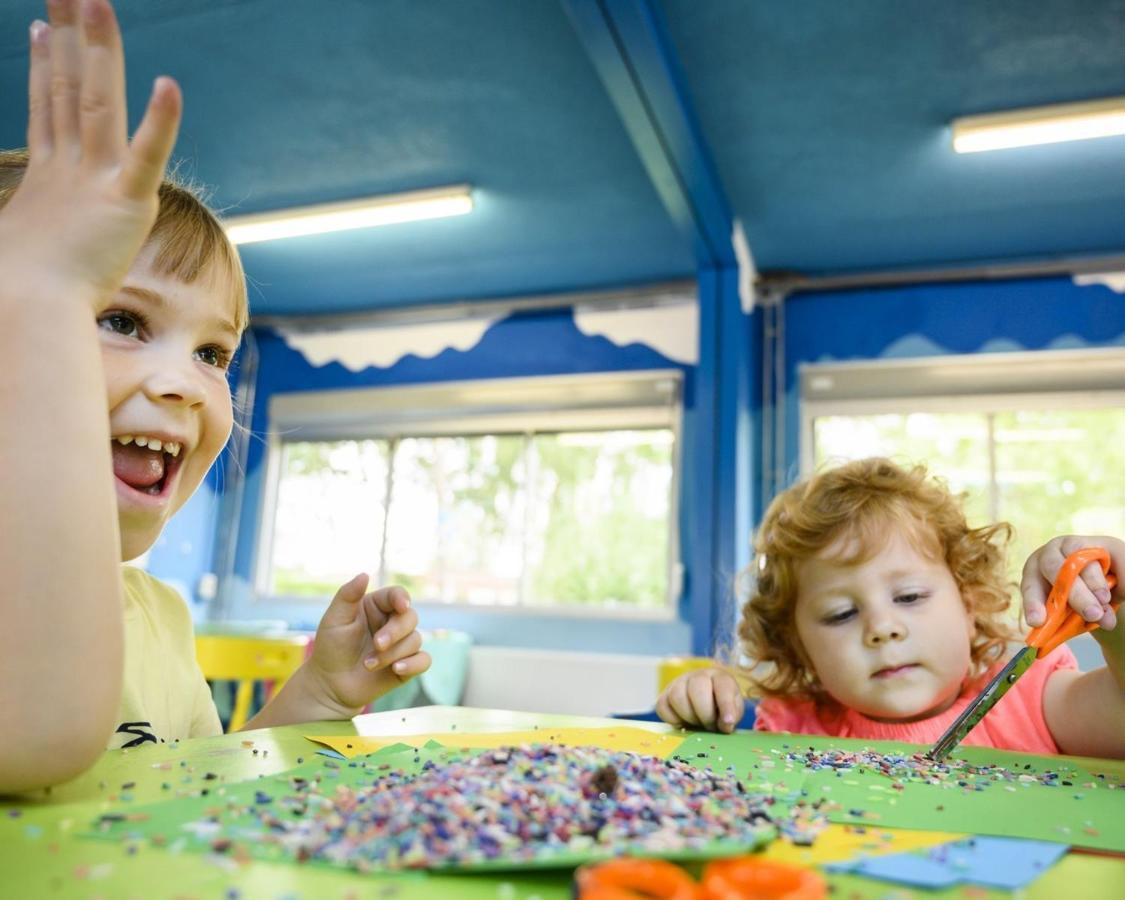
<point>383,346</point>
<point>672,330</point>
<point>1115,281</point>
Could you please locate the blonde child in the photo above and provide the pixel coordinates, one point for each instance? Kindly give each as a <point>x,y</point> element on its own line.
<point>123,303</point>
<point>878,613</point>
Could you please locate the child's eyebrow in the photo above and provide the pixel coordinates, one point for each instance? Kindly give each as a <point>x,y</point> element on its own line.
<point>155,298</point>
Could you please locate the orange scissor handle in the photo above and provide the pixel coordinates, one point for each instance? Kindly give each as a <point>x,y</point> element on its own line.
<point>1063,623</point>
<point>634,879</point>
<point>752,878</point>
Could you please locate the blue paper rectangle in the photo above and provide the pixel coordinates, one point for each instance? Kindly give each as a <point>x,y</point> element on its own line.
<point>1006,863</point>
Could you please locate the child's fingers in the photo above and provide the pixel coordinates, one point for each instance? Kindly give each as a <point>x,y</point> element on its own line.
<point>407,647</point>
<point>66,69</point>
<point>1034,589</point>
<point>39,90</point>
<point>397,627</point>
<point>729,702</point>
<point>701,693</point>
<point>391,600</point>
<point>412,665</point>
<point>102,95</point>
<point>677,704</point>
<point>1093,598</point>
<point>153,142</point>
<point>341,611</point>
<point>666,713</point>
<point>1081,598</point>
<point>1089,595</point>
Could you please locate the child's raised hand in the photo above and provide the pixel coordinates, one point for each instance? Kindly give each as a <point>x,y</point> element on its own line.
<point>366,644</point>
<point>1089,597</point>
<point>706,698</point>
<point>89,197</point>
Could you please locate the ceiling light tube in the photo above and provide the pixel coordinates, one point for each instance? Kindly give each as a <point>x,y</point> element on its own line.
<point>367,212</point>
<point>1040,125</point>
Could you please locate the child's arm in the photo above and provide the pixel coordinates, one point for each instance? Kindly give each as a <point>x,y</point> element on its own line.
<point>708,698</point>
<point>366,645</point>
<point>67,238</point>
<point>1085,711</point>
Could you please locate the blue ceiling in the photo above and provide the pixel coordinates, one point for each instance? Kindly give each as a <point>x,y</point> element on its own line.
<point>826,122</point>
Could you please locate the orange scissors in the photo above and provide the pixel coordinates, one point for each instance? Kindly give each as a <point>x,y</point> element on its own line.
<point>1061,625</point>
<point>739,878</point>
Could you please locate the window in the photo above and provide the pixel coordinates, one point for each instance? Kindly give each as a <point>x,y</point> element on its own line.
<point>1035,439</point>
<point>546,493</point>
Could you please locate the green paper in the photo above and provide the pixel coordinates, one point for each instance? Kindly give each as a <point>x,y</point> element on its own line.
<point>1088,812</point>
<point>194,823</point>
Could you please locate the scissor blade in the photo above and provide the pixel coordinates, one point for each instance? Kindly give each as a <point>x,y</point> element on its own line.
<point>978,709</point>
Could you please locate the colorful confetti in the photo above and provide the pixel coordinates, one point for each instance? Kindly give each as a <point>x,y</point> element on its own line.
<point>516,804</point>
<point>918,767</point>
<point>537,805</point>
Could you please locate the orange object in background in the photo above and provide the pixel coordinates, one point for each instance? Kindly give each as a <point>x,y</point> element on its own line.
<point>635,879</point>
<point>738,878</point>
<point>751,878</point>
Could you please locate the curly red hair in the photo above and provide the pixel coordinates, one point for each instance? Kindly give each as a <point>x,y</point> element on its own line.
<point>855,504</point>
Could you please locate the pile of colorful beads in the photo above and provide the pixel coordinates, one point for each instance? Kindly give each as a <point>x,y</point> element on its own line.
<point>516,804</point>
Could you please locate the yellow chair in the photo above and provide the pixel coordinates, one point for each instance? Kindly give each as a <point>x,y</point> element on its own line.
<point>226,657</point>
<point>672,667</point>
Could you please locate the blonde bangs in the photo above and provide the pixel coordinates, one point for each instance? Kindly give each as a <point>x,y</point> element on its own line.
<point>191,243</point>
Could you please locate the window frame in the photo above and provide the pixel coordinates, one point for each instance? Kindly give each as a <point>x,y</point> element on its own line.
<point>602,401</point>
<point>972,383</point>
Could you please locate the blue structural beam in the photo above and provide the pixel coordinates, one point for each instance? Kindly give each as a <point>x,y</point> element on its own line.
<point>630,49</point>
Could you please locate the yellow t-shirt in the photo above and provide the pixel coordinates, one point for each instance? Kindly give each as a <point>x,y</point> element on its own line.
<point>164,697</point>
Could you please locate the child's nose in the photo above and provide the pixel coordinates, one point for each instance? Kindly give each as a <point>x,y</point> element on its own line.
<point>176,385</point>
<point>882,629</point>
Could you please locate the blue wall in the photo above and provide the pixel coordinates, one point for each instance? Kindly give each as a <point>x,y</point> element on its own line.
<point>933,320</point>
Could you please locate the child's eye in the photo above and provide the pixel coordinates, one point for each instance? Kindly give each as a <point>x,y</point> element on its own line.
<point>838,618</point>
<point>214,356</point>
<point>127,324</point>
<point>909,598</point>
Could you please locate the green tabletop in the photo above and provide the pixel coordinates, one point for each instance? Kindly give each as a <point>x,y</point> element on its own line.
<point>42,854</point>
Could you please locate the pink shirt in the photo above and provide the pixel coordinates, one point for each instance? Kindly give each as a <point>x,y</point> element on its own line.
<point>1016,722</point>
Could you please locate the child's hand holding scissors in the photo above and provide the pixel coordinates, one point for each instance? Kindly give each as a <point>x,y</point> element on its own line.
<point>1090,595</point>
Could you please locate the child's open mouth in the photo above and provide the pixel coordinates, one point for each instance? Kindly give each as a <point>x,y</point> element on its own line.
<point>147,465</point>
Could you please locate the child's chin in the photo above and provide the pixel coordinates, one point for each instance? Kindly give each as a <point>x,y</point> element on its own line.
<point>136,538</point>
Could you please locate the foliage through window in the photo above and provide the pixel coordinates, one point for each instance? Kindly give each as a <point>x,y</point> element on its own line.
<point>575,518</point>
<point>552,492</point>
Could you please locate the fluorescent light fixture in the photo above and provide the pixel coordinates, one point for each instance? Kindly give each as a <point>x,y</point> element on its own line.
<point>367,212</point>
<point>1040,125</point>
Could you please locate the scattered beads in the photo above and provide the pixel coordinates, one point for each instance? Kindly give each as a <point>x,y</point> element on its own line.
<point>918,767</point>
<point>515,804</point>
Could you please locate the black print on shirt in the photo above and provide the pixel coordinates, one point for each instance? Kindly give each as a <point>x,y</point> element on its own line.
<point>143,736</point>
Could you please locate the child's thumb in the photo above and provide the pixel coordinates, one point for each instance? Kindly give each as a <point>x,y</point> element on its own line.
<point>351,592</point>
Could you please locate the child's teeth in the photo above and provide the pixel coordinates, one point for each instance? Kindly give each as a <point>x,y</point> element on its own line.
<point>172,448</point>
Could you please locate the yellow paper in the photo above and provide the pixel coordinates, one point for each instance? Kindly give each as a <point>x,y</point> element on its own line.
<point>838,843</point>
<point>635,740</point>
